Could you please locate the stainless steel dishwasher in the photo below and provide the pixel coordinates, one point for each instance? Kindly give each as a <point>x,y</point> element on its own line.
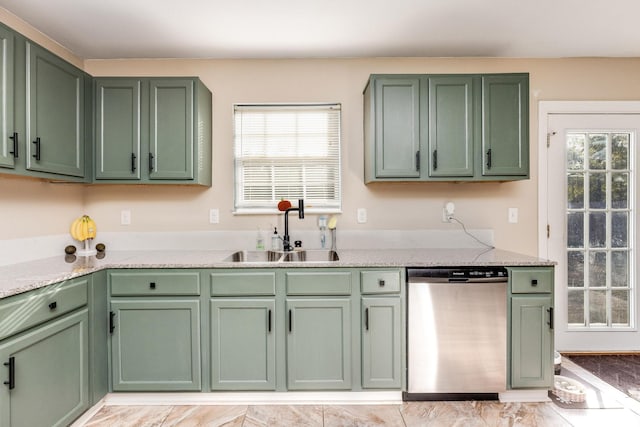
<point>457,333</point>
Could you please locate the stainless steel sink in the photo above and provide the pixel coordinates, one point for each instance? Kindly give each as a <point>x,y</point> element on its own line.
<point>315,255</point>
<point>254,256</point>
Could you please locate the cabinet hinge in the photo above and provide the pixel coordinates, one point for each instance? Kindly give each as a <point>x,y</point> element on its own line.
<point>548,231</point>
<point>549,135</point>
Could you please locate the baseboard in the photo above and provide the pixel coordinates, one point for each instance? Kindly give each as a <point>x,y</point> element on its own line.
<point>89,413</point>
<point>538,395</point>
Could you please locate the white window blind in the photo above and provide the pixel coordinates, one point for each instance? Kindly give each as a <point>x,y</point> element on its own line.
<point>287,152</point>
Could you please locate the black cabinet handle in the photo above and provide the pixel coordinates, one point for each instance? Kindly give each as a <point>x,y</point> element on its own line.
<point>150,162</point>
<point>112,325</point>
<point>534,282</point>
<point>435,159</point>
<point>38,151</point>
<point>290,321</point>
<point>380,282</point>
<point>366,318</point>
<point>489,158</point>
<point>133,162</point>
<point>269,319</point>
<point>152,285</point>
<point>14,138</point>
<point>53,306</point>
<point>418,160</point>
<point>12,373</point>
<point>550,322</point>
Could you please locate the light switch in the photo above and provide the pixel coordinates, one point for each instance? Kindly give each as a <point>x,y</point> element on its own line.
<point>362,215</point>
<point>214,216</point>
<point>513,215</point>
<point>125,217</point>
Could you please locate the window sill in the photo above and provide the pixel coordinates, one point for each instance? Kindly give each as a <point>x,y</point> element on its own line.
<point>274,211</point>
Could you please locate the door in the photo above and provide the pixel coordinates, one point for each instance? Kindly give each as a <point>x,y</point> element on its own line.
<point>397,127</point>
<point>55,114</point>
<point>505,125</point>
<point>9,141</point>
<point>155,345</point>
<point>319,344</point>
<point>531,338</point>
<point>118,135</point>
<point>171,133</point>
<point>381,342</point>
<point>243,352</point>
<point>51,374</point>
<point>451,126</point>
<point>591,216</point>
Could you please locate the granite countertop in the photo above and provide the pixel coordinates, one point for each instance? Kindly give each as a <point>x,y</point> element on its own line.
<point>23,277</point>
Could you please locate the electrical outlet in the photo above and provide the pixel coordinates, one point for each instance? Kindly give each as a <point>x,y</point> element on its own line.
<point>448,211</point>
<point>513,215</point>
<point>125,217</point>
<point>214,216</point>
<point>362,215</point>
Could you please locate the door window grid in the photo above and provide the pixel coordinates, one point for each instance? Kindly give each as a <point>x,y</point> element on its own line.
<point>600,273</point>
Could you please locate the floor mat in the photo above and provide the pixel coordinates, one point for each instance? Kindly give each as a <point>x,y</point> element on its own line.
<point>621,371</point>
<point>595,399</point>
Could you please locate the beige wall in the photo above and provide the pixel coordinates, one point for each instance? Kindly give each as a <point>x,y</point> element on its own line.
<point>390,206</point>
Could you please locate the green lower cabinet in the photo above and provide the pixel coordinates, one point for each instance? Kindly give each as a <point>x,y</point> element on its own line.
<point>155,344</point>
<point>243,350</point>
<point>318,343</point>
<point>381,342</point>
<point>51,374</point>
<point>531,341</point>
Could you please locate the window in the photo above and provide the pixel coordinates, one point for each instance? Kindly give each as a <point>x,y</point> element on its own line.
<point>287,152</point>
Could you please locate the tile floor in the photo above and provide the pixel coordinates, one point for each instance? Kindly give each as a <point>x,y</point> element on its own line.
<point>449,414</point>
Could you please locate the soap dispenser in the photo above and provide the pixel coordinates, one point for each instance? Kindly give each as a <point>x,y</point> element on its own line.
<point>275,240</point>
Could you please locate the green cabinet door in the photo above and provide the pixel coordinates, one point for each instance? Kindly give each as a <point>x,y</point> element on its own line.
<point>50,374</point>
<point>171,135</point>
<point>118,125</point>
<point>505,128</point>
<point>396,132</point>
<point>243,351</point>
<point>318,343</point>
<point>9,141</point>
<point>451,126</point>
<point>55,114</point>
<point>381,342</point>
<point>531,341</point>
<point>155,344</point>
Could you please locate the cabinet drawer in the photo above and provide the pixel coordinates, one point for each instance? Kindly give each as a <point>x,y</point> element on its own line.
<point>319,283</point>
<point>24,311</point>
<point>531,280</point>
<point>380,282</point>
<point>243,283</point>
<point>126,283</point>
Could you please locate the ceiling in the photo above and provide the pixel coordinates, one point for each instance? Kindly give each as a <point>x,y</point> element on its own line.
<point>336,28</point>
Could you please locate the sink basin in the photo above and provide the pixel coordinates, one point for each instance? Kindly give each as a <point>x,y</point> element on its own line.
<point>254,256</point>
<point>316,255</point>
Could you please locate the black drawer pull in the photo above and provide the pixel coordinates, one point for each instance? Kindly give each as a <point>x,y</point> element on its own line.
<point>133,162</point>
<point>550,322</point>
<point>534,282</point>
<point>150,162</point>
<point>366,318</point>
<point>14,138</point>
<point>53,305</point>
<point>290,321</point>
<point>269,316</point>
<point>12,373</point>
<point>489,158</point>
<point>37,155</point>
<point>381,282</point>
<point>112,324</point>
<point>152,285</point>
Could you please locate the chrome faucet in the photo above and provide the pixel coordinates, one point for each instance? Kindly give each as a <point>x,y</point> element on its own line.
<point>285,239</point>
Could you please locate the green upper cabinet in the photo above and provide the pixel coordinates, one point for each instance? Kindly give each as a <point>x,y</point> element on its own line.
<point>9,151</point>
<point>505,126</point>
<point>54,114</point>
<point>451,126</point>
<point>466,127</point>
<point>152,130</point>
<point>117,139</point>
<point>392,127</point>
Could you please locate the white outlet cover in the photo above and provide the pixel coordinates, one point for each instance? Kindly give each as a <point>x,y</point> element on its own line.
<point>362,215</point>
<point>513,215</point>
<point>125,217</point>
